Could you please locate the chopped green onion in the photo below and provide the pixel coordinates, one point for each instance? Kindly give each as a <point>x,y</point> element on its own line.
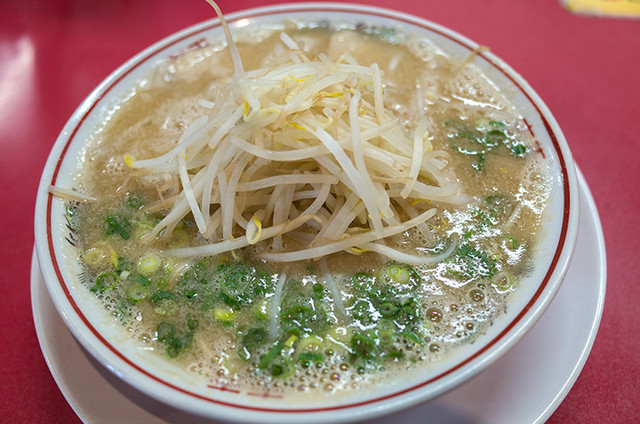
<point>311,357</point>
<point>271,355</point>
<point>179,238</point>
<point>310,344</point>
<point>190,293</point>
<point>494,138</point>
<point>411,308</point>
<point>519,149</point>
<point>162,283</point>
<point>117,225</point>
<point>95,256</point>
<point>395,354</point>
<point>120,263</point>
<point>105,281</point>
<point>472,263</point>
<point>232,287</point>
<point>318,291</point>
<point>166,308</point>
<point>143,280</point>
<point>176,341</point>
<point>282,369</point>
<point>224,313</point>
<point>500,205</point>
<point>291,340</point>
<point>473,142</point>
<point>254,337</point>
<point>241,284</point>
<point>192,323</point>
<point>306,319</point>
<point>260,310</point>
<point>141,230</point>
<point>149,265</point>
<point>134,201</point>
<point>385,335</point>
<point>165,330</point>
<point>363,346</point>
<point>398,274</point>
<point>137,294</point>
<point>388,310</point>
<point>512,242</point>
<point>410,335</point>
<point>161,295</point>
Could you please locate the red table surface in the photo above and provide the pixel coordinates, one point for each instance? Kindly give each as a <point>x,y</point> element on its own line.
<point>587,70</point>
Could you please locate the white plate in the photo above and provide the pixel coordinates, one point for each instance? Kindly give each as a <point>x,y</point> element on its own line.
<point>515,389</point>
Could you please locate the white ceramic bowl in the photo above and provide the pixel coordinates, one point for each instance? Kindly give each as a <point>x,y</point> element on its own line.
<point>95,330</point>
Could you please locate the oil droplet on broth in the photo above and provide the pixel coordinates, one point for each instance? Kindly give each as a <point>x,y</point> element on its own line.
<point>434,314</point>
<point>476,295</point>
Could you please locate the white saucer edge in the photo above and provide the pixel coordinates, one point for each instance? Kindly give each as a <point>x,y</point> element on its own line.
<point>586,198</point>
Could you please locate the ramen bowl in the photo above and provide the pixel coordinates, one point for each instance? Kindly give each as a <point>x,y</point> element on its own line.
<point>94,327</point>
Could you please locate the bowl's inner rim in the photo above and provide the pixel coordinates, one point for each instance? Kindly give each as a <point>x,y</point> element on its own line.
<point>424,25</point>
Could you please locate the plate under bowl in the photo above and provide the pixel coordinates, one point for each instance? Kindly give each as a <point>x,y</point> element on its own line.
<point>153,376</point>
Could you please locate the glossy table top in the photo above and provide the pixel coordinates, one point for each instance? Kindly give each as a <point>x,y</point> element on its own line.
<point>53,53</point>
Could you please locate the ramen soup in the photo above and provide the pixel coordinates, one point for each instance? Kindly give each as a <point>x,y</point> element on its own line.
<point>322,212</point>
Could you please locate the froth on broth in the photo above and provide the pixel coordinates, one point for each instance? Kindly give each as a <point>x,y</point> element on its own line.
<point>320,325</point>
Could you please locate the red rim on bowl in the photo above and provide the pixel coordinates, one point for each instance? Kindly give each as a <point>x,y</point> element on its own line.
<point>74,316</point>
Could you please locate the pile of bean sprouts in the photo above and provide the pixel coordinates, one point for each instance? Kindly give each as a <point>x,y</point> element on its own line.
<point>303,148</point>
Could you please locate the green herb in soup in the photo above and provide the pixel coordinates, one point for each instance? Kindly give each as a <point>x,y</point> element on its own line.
<point>482,139</point>
<point>332,207</point>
